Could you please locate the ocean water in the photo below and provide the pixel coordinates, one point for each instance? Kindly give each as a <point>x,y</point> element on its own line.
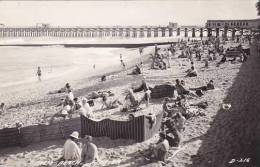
<point>18,65</point>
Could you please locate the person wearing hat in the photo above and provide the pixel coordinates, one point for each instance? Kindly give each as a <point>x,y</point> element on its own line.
<point>71,150</point>
<point>89,150</point>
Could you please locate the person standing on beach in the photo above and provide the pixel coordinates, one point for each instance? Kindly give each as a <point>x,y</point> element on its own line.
<point>155,49</point>
<point>121,57</point>
<point>39,73</point>
<point>122,62</point>
<point>168,56</point>
<point>141,51</point>
<point>2,108</point>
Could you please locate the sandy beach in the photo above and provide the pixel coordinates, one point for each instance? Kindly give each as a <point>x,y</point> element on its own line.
<point>59,66</point>
<point>126,152</point>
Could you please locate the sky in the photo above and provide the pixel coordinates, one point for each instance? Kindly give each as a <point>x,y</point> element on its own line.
<point>131,12</point>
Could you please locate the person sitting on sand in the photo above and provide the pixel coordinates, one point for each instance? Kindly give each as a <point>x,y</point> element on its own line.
<point>131,98</point>
<point>136,71</point>
<point>159,151</point>
<point>103,78</point>
<point>173,135</point>
<point>181,90</point>
<point>131,117</point>
<point>179,120</point>
<point>63,113</point>
<point>70,95</point>
<point>243,57</point>
<point>168,109</point>
<point>162,65</point>
<point>182,82</point>
<point>146,89</point>
<point>89,150</point>
<point>209,86</point>
<point>86,106</point>
<point>192,72</point>
<point>67,101</point>
<point>143,87</point>
<point>192,65</point>
<point>99,94</point>
<point>110,104</point>
<point>134,102</point>
<point>66,89</point>
<point>71,150</point>
<point>82,107</point>
<point>223,60</point>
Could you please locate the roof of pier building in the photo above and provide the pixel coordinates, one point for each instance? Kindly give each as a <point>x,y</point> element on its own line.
<point>242,23</point>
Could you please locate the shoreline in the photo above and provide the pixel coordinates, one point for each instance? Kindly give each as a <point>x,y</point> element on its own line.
<point>50,84</point>
<point>31,111</point>
<point>112,45</point>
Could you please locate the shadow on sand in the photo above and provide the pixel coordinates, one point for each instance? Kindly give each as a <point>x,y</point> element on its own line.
<point>232,134</point>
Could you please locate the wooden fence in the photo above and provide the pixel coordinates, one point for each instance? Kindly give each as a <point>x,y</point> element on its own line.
<point>9,137</point>
<point>38,133</point>
<point>59,130</point>
<point>139,128</point>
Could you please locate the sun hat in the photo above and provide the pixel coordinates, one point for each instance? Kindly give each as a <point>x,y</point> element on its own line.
<point>75,135</point>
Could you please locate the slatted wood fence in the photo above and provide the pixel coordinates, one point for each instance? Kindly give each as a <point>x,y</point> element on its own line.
<point>9,137</point>
<point>58,130</point>
<point>138,129</point>
<point>38,133</point>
